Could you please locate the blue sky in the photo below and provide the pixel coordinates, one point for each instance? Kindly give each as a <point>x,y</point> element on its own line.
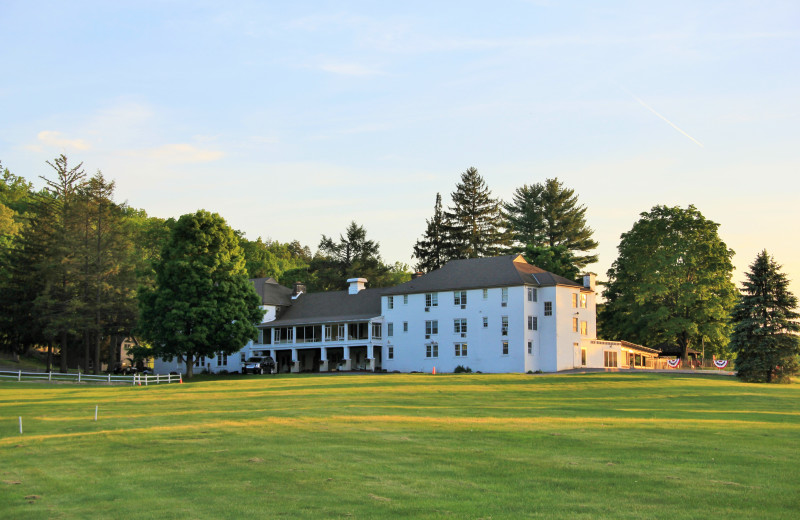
<point>293,120</point>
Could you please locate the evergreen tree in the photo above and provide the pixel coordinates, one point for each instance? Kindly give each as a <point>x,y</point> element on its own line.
<point>58,225</point>
<point>549,227</point>
<point>473,223</point>
<point>765,325</point>
<point>431,248</point>
<point>202,303</point>
<point>671,282</point>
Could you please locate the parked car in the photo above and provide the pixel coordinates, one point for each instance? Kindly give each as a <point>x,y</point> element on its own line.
<point>259,365</point>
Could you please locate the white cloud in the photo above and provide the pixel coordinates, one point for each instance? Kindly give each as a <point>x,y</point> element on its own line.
<point>56,139</point>
<point>181,153</point>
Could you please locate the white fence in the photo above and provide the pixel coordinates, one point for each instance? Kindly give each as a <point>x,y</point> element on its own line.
<point>136,379</point>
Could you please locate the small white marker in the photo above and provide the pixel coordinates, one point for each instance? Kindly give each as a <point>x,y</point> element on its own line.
<point>95,413</point>
<point>20,425</point>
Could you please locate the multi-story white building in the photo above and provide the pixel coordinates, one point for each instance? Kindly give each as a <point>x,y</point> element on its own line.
<point>497,314</point>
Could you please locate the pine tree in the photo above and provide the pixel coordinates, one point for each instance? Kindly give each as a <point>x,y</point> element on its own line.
<point>431,248</point>
<point>549,227</point>
<point>474,224</point>
<point>765,328</point>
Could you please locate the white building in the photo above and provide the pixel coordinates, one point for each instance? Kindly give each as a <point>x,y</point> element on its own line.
<point>497,314</point>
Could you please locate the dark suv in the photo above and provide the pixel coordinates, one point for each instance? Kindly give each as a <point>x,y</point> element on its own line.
<point>259,365</point>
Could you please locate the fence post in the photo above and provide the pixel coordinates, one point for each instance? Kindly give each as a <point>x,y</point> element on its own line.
<point>158,379</point>
<point>19,378</point>
<point>49,376</point>
<point>109,377</point>
<point>79,374</point>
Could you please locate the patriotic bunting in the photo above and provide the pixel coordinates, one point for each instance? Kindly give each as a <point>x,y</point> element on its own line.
<point>674,363</point>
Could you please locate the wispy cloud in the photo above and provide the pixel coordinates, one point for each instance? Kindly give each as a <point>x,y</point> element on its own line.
<point>349,69</point>
<point>180,153</point>
<point>57,139</point>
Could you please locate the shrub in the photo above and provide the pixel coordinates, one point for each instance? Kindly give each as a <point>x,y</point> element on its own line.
<point>462,370</point>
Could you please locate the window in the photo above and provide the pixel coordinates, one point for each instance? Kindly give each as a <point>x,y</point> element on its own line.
<point>391,302</point>
<point>405,326</point>
<point>460,298</point>
<point>222,359</point>
<point>584,328</point>
<point>460,326</point>
<point>390,330</point>
<point>574,324</point>
<point>376,331</point>
<point>340,330</point>
<point>504,297</point>
<point>530,347</point>
<point>460,349</point>
<point>583,357</point>
<point>532,294</point>
<point>486,294</point>
<point>266,337</point>
<point>328,332</point>
<point>504,326</point>
<point>432,300</point>
<point>432,350</point>
<point>609,359</point>
<point>505,348</point>
<point>405,299</point>
<point>584,301</point>
<point>548,308</point>
<point>242,357</point>
<point>390,354</point>
<point>532,323</point>
<point>431,327</point>
<point>485,322</point>
<point>574,300</point>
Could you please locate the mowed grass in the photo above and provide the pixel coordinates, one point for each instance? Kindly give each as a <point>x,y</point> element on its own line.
<point>390,446</point>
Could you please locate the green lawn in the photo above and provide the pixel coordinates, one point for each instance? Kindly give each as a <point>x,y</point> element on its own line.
<point>374,446</point>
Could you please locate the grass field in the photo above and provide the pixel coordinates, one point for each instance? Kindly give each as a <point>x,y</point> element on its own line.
<point>422,446</point>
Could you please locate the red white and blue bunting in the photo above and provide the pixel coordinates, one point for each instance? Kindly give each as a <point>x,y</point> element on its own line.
<point>720,363</point>
<point>674,363</point>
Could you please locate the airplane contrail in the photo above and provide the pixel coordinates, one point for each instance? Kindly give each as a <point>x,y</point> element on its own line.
<point>670,123</point>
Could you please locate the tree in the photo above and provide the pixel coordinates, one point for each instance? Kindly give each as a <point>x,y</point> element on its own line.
<point>765,330</point>
<point>431,248</point>
<point>474,220</point>
<point>202,302</point>
<point>671,282</point>
<point>549,227</point>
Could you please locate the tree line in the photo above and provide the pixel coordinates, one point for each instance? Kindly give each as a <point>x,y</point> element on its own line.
<point>81,272</point>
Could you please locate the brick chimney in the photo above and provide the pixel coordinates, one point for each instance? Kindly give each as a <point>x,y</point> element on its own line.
<point>589,281</point>
<point>416,275</point>
<point>299,288</point>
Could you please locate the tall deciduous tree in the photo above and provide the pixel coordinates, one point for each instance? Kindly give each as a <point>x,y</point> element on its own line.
<point>431,249</point>
<point>549,227</point>
<point>474,224</point>
<point>765,331</point>
<point>202,302</point>
<point>671,282</point>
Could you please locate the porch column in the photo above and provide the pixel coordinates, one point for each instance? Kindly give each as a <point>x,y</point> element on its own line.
<point>295,362</point>
<point>371,358</point>
<point>347,363</point>
<point>323,359</point>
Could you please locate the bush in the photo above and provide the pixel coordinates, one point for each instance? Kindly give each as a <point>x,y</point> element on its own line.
<point>462,370</point>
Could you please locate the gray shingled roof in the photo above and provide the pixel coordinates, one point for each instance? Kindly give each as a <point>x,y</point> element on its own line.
<point>326,307</point>
<point>476,273</point>
<point>271,292</point>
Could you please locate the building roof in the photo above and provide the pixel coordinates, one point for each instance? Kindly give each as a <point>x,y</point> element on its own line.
<point>328,307</point>
<point>271,292</point>
<point>641,348</point>
<point>475,273</point>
